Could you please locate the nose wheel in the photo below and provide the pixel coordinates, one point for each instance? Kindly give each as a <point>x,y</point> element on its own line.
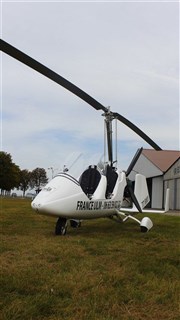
<point>61,227</point>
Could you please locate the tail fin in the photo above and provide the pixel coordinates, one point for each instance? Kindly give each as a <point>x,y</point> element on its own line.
<point>141,190</point>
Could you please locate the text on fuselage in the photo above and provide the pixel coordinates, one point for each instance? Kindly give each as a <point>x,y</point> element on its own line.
<point>98,205</point>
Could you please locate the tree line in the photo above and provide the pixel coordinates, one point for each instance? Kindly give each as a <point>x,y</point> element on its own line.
<point>11,176</point>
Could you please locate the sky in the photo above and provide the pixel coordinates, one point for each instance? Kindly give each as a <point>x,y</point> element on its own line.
<point>125,54</point>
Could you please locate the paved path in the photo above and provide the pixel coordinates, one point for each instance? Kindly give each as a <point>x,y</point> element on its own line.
<point>173,213</point>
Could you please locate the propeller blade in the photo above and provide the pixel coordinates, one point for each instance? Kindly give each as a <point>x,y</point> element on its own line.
<point>35,65</point>
<point>132,195</point>
<point>133,162</point>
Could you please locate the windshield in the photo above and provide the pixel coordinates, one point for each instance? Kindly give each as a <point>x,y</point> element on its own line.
<point>76,163</point>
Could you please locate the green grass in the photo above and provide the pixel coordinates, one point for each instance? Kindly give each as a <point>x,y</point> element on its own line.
<point>101,271</point>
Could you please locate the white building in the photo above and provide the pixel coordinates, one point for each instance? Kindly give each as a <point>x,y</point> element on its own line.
<point>162,170</point>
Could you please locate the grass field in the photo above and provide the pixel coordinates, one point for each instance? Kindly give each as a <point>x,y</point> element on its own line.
<point>101,271</point>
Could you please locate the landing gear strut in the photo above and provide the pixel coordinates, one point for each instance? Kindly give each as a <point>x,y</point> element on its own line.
<point>145,224</point>
<point>61,227</point>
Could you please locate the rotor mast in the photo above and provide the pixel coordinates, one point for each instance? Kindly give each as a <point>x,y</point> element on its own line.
<point>109,117</point>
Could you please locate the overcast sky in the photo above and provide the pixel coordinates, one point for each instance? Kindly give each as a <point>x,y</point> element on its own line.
<point>123,53</point>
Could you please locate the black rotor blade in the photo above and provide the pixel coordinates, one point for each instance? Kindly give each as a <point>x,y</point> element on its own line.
<point>133,162</point>
<point>136,130</point>
<point>132,195</point>
<point>30,62</point>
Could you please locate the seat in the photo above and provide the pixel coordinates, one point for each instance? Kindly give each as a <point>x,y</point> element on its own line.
<point>111,176</point>
<point>89,180</point>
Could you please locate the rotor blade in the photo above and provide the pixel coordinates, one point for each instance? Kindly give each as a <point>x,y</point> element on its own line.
<point>136,130</point>
<point>133,162</point>
<point>30,62</point>
<point>132,195</point>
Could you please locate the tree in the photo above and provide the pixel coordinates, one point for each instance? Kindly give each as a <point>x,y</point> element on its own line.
<point>25,178</point>
<point>38,179</point>
<point>9,173</point>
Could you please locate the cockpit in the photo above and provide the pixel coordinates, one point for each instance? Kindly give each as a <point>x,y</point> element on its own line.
<point>93,179</point>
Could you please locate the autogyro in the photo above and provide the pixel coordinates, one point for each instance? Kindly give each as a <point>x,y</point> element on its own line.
<point>100,190</point>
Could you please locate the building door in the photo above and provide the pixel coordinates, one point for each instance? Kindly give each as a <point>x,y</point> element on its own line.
<point>177,194</point>
<point>149,185</point>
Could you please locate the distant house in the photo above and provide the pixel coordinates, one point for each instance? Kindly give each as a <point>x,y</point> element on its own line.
<point>162,170</point>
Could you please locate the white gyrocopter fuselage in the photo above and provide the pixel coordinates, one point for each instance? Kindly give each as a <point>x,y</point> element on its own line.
<point>95,194</point>
<point>67,197</point>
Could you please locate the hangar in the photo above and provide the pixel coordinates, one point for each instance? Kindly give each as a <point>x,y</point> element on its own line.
<point>162,170</point>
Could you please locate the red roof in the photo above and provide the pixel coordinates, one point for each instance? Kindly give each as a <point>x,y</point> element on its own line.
<point>162,159</point>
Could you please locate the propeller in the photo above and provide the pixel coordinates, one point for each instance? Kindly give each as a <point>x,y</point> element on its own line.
<point>130,191</point>
<point>134,160</point>
<point>129,188</point>
<point>30,62</point>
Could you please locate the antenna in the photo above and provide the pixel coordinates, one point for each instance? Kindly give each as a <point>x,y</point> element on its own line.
<point>116,161</point>
<point>105,142</point>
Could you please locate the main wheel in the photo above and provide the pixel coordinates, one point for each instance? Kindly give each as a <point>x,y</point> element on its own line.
<point>75,223</point>
<point>61,227</point>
